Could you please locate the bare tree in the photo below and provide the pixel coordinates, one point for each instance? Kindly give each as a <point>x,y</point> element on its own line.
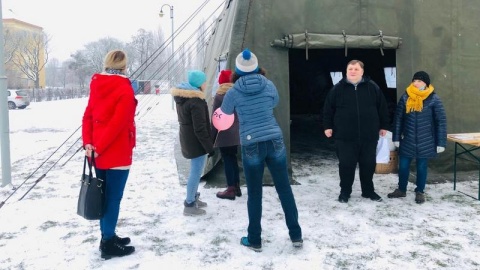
<point>141,49</point>
<point>31,55</point>
<point>80,65</point>
<point>10,45</point>
<point>200,45</point>
<point>96,51</point>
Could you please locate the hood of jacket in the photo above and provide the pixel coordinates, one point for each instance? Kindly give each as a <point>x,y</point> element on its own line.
<point>181,95</point>
<point>251,84</point>
<point>102,84</point>
<point>223,88</point>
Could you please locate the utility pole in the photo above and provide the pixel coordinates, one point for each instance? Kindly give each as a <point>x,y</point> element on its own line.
<point>4,124</point>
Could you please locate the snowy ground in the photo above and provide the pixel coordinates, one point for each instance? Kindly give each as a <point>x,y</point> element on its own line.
<point>42,231</point>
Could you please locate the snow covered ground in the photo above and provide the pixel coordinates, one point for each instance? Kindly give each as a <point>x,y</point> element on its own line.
<point>42,231</point>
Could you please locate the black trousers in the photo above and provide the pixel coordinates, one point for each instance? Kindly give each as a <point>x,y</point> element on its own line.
<point>350,153</point>
<point>230,165</point>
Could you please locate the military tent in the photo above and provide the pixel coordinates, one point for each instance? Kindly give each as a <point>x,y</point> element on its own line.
<point>305,45</point>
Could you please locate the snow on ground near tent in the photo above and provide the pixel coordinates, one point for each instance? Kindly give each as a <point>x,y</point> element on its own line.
<point>42,231</point>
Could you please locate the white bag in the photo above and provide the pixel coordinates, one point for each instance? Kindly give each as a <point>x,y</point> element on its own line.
<point>383,151</point>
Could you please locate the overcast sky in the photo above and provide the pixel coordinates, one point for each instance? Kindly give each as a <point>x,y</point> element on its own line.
<point>72,24</point>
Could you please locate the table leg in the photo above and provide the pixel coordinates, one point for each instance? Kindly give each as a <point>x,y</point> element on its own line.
<point>455,168</point>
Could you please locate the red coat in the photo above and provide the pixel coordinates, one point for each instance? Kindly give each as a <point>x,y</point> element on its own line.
<point>108,121</point>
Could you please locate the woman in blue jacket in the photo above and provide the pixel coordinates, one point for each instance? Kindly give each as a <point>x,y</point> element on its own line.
<point>253,97</point>
<point>420,132</point>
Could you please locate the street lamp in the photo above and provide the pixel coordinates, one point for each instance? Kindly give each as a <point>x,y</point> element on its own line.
<point>173,48</point>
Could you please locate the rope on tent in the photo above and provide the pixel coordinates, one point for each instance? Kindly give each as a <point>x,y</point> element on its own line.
<point>345,40</point>
<point>306,44</point>
<point>38,180</point>
<point>381,41</point>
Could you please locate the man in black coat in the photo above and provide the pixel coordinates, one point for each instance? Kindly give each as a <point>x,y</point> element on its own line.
<point>355,114</point>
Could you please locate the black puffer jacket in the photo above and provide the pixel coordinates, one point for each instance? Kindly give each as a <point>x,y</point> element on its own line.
<point>419,133</point>
<point>194,120</point>
<point>355,113</point>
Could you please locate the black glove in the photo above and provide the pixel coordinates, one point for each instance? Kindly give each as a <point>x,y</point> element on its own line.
<point>211,154</point>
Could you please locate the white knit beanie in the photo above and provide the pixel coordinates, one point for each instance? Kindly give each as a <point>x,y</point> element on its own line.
<point>246,63</point>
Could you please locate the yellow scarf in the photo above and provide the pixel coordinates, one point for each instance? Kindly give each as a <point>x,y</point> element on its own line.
<point>416,97</point>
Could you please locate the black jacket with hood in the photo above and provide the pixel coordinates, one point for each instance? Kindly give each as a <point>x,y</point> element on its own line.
<point>194,121</point>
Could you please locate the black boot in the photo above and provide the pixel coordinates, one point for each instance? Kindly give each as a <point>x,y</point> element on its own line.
<point>238,191</point>
<point>121,240</point>
<point>111,248</point>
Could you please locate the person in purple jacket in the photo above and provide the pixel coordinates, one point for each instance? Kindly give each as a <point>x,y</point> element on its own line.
<point>253,97</point>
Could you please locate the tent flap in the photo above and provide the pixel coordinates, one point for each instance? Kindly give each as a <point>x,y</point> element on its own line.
<point>328,41</point>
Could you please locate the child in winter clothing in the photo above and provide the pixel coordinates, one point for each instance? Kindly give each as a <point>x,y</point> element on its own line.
<point>195,134</point>
<point>228,141</point>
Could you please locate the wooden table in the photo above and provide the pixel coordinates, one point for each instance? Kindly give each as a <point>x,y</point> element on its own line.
<point>466,144</point>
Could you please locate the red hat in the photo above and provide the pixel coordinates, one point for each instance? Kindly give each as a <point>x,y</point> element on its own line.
<point>225,76</point>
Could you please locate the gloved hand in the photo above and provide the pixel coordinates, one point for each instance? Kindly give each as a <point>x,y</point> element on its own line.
<point>440,149</point>
<point>397,144</point>
<point>211,154</point>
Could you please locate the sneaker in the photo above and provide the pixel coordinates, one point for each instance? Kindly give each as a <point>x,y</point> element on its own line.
<point>397,193</point>
<point>343,198</point>
<point>199,203</point>
<point>244,242</point>
<point>373,196</point>
<point>297,243</point>
<point>419,197</point>
<point>191,209</point>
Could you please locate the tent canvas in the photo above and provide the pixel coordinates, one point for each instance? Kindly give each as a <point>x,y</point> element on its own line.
<point>438,36</point>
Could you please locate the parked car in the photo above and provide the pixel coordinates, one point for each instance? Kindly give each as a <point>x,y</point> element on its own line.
<point>17,99</point>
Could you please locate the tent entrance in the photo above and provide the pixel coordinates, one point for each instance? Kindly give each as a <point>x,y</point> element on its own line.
<point>310,81</point>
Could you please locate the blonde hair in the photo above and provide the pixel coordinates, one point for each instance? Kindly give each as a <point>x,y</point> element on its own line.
<point>115,59</point>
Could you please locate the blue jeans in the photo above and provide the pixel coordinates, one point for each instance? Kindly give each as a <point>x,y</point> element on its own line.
<point>230,165</point>
<point>254,157</point>
<point>404,172</point>
<point>114,181</point>
<point>196,171</point>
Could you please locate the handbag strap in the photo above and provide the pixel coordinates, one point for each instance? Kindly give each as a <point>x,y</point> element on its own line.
<point>90,165</point>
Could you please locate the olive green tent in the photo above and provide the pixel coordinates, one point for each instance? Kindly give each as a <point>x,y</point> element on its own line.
<point>305,45</point>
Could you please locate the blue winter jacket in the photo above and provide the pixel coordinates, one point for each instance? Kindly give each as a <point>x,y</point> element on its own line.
<point>419,133</point>
<point>253,97</point>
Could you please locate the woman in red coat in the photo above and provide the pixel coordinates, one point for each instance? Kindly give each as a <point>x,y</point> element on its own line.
<point>108,132</point>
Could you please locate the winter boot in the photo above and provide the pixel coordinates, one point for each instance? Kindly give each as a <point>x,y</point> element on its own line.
<point>372,196</point>
<point>121,240</point>
<point>397,193</point>
<point>238,191</point>
<point>419,197</point>
<point>191,209</point>
<point>111,248</point>
<point>199,203</point>
<point>229,193</point>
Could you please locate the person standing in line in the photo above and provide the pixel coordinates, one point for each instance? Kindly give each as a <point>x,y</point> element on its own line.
<point>253,97</point>
<point>228,141</point>
<point>109,133</point>
<point>420,132</point>
<point>355,114</point>
<point>195,135</point>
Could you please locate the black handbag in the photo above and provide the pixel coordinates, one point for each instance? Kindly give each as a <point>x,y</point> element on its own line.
<point>92,196</point>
